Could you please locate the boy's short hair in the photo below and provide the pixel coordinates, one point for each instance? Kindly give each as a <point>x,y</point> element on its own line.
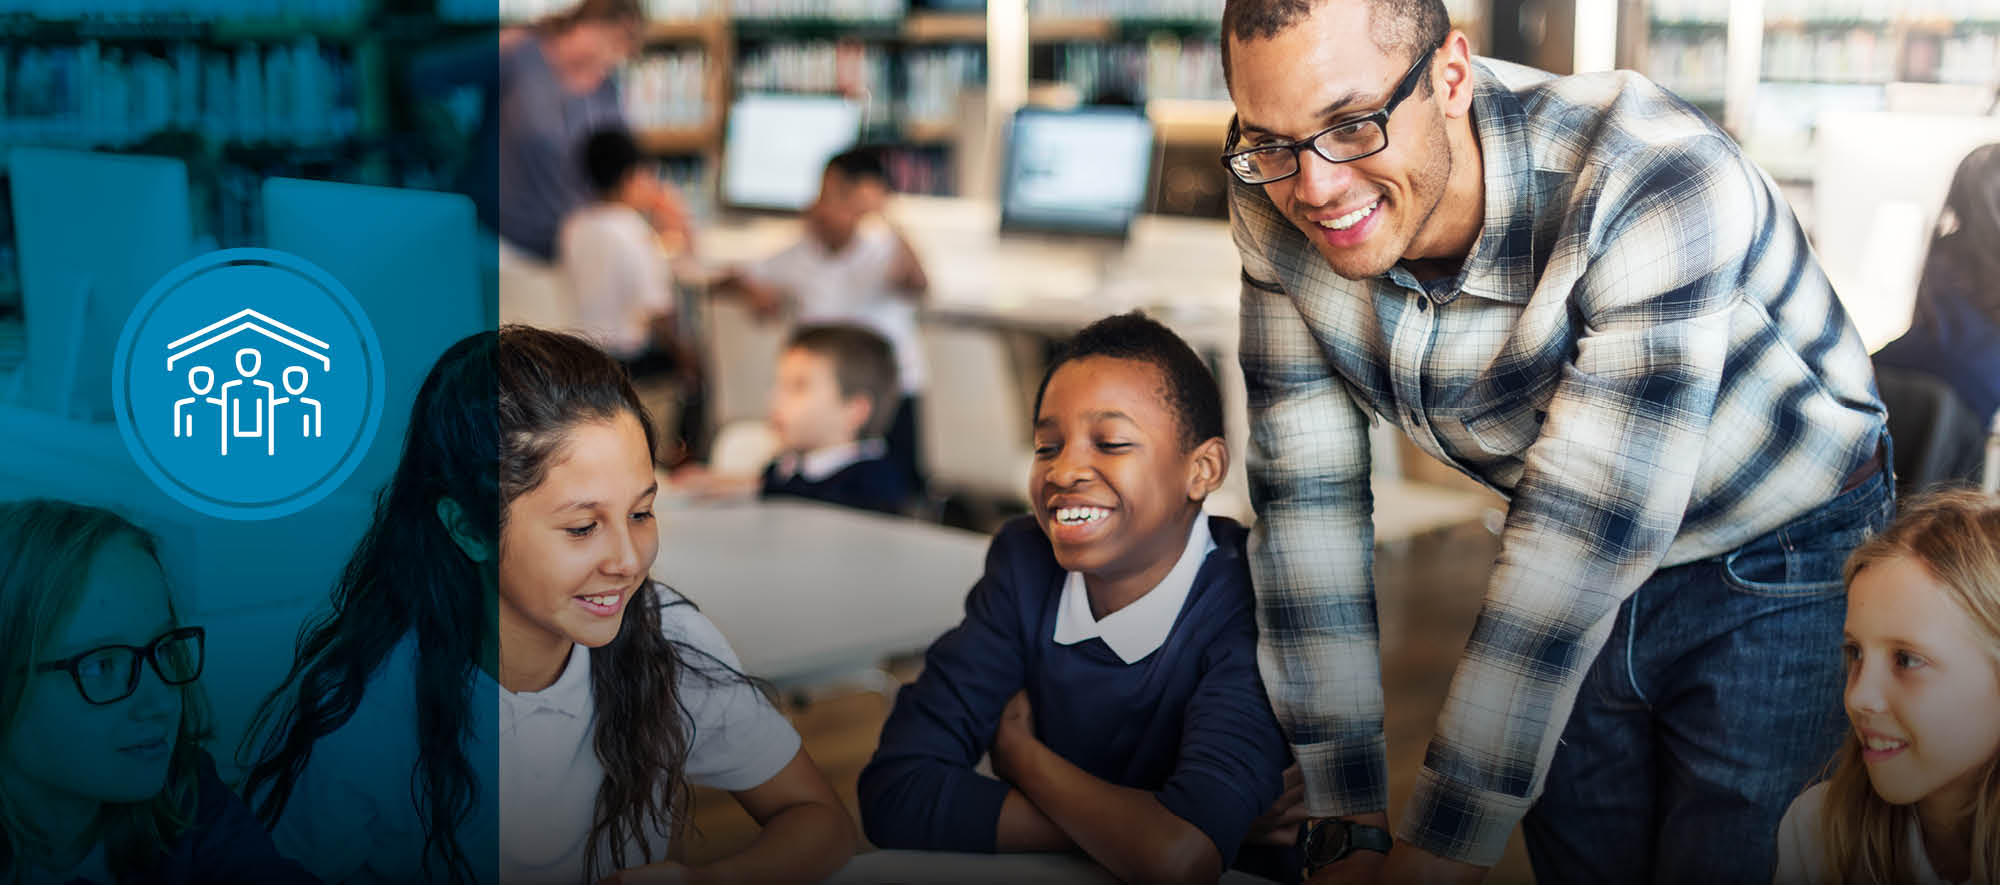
<point>863,365</point>
<point>1191,389</point>
<point>609,156</point>
<point>860,164</point>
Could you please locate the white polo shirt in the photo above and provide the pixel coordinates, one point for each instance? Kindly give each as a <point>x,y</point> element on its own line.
<point>352,818</point>
<point>851,286</point>
<point>1141,627</point>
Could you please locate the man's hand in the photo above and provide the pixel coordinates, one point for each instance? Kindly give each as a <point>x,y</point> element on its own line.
<point>1279,824</point>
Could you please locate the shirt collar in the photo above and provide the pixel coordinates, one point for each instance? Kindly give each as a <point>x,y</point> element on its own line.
<point>819,464</point>
<point>1507,233</point>
<point>568,695</point>
<point>1138,629</point>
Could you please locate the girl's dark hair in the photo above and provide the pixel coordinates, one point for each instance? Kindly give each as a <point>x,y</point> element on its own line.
<point>1191,391</point>
<point>46,550</point>
<point>490,421</point>
<point>549,383</point>
<point>407,577</point>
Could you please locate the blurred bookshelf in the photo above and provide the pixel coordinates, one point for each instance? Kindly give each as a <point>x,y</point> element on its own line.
<point>1814,56</point>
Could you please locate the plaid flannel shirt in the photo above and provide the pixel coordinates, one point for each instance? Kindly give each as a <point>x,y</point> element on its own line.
<point>1640,352</point>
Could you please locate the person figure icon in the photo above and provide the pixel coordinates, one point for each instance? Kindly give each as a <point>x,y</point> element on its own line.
<point>309,423</point>
<point>201,380</point>
<point>248,362</point>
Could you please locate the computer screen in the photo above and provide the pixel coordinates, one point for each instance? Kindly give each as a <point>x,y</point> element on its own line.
<point>410,258</point>
<point>777,147</point>
<point>1076,171</point>
<point>96,232</point>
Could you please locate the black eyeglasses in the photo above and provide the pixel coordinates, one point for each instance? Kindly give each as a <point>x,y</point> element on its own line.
<point>109,674</point>
<point>1343,142</point>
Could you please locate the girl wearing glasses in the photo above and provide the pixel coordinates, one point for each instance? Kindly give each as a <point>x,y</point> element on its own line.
<point>102,774</point>
<point>508,561</point>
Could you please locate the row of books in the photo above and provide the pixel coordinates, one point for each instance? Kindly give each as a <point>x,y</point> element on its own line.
<point>848,68</point>
<point>666,89</point>
<point>89,95</point>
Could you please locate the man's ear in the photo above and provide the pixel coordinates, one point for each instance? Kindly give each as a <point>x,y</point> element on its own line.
<point>1208,464</point>
<point>467,536</point>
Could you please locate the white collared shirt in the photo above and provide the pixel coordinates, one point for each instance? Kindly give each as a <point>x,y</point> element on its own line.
<point>351,817</point>
<point>549,770</point>
<point>1140,628</point>
<point>822,463</point>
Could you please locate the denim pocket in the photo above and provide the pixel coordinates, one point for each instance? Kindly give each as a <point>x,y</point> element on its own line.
<point>1807,556</point>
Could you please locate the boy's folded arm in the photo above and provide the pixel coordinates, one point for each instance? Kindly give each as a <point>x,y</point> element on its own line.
<point>1232,760</point>
<point>1127,830</point>
<point>921,789</point>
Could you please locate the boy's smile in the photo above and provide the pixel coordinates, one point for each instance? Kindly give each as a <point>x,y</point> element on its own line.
<point>1114,484</point>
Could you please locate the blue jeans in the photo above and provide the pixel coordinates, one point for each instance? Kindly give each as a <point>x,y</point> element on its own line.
<point>1715,702</point>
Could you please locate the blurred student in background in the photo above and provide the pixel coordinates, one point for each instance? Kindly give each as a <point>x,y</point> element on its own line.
<point>619,276</point>
<point>853,266</point>
<point>1955,334</point>
<point>835,391</point>
<point>103,776</point>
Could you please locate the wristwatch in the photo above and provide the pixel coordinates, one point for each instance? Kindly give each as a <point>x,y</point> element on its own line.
<point>1323,842</point>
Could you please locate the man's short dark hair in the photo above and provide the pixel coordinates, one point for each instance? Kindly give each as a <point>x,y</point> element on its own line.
<point>863,365</point>
<point>609,156</point>
<point>1400,28</point>
<point>1191,390</point>
<point>860,164</point>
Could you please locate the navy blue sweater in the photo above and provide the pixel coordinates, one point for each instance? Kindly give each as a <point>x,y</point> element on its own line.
<point>1189,722</point>
<point>869,484</point>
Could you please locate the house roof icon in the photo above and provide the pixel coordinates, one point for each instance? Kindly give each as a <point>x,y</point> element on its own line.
<point>252,321</point>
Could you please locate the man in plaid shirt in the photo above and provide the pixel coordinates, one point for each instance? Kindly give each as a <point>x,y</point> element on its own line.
<point>1580,293</point>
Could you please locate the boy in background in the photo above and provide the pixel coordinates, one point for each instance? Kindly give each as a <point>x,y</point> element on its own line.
<point>836,385</point>
<point>852,266</point>
<point>616,265</point>
<point>1107,660</point>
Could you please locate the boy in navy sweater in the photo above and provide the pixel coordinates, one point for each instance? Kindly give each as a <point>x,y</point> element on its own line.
<point>1107,660</point>
<point>836,388</point>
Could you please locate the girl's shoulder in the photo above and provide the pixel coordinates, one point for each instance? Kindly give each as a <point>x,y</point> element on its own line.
<point>682,623</point>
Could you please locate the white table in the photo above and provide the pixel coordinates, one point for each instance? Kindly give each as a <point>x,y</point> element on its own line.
<point>805,591</point>
<point>985,869</point>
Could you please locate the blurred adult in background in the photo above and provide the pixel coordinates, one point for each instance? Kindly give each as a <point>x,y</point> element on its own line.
<point>550,87</point>
<point>1955,334</point>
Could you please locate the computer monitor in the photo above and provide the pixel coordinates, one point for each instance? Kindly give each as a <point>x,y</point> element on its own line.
<point>410,258</point>
<point>96,232</point>
<point>1081,171</point>
<point>777,147</point>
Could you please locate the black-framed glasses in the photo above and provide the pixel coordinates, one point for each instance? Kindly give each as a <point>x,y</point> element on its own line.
<point>1343,142</point>
<point>109,674</point>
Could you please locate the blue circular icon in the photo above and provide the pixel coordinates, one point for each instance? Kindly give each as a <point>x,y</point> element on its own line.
<point>248,384</point>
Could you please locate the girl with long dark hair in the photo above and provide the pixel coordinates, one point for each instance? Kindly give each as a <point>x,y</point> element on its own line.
<point>509,560</point>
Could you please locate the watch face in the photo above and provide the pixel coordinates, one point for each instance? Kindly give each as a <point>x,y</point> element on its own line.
<point>1326,842</point>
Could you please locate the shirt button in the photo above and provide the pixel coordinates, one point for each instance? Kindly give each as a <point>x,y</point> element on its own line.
<point>1541,416</point>
<point>1416,420</point>
<point>1423,302</point>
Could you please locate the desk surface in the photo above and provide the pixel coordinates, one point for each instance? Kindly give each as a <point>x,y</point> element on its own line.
<point>804,590</point>
<point>985,869</point>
